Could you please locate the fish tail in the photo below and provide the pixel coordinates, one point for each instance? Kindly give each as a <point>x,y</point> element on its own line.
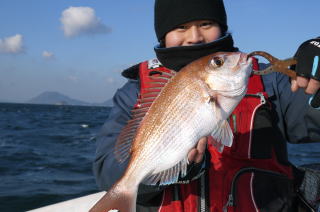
<point>117,199</point>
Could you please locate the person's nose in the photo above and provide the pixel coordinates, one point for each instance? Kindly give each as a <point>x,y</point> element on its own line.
<point>194,36</point>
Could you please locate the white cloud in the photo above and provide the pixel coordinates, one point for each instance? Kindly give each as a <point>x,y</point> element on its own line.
<point>81,20</point>
<point>47,55</point>
<point>11,45</point>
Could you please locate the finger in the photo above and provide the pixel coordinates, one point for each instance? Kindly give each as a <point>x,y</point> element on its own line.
<point>302,82</point>
<point>313,86</point>
<point>201,148</point>
<point>294,85</point>
<point>202,144</point>
<point>192,154</point>
<point>198,158</point>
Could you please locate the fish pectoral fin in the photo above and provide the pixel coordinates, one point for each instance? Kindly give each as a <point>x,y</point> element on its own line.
<point>223,136</point>
<point>168,176</point>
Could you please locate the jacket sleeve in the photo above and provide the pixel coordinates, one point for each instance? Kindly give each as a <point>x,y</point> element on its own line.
<point>123,102</point>
<point>299,122</point>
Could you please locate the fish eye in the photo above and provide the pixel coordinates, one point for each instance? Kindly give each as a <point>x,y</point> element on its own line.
<point>217,62</point>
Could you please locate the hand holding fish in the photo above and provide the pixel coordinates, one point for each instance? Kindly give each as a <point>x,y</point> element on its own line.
<point>196,154</point>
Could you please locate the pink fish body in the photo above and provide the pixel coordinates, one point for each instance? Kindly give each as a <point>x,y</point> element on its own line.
<point>194,103</point>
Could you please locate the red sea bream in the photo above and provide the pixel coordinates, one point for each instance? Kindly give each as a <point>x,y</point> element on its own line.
<point>195,102</point>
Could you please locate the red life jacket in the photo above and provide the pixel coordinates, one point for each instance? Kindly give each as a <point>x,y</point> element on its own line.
<point>227,184</point>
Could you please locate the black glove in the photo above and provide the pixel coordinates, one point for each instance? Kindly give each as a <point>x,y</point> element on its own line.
<point>308,64</point>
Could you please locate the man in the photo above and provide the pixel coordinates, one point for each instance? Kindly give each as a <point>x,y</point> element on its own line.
<point>254,174</point>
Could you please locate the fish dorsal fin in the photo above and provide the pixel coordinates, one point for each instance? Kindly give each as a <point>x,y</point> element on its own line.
<point>168,176</point>
<point>223,136</point>
<point>156,80</point>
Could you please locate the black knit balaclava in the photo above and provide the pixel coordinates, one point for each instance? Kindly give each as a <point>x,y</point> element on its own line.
<point>169,14</point>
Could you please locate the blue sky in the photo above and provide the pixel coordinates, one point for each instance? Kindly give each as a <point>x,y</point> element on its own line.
<point>79,47</point>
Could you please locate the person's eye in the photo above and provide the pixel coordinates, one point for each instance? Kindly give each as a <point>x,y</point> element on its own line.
<point>207,24</point>
<point>182,27</point>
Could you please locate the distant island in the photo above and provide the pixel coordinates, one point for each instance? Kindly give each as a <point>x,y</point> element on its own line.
<point>56,98</point>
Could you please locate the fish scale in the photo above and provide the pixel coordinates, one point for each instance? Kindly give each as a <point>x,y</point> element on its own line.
<point>183,123</point>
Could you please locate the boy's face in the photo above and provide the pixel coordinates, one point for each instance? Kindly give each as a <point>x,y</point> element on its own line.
<point>194,32</point>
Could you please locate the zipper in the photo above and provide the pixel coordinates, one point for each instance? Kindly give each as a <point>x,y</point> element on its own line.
<point>232,195</point>
<point>233,117</point>
<point>203,197</point>
<point>229,203</point>
<point>261,96</point>
<point>263,102</point>
<point>202,194</point>
<point>237,122</point>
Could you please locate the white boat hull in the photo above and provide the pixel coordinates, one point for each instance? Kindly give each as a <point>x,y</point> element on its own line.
<point>81,204</point>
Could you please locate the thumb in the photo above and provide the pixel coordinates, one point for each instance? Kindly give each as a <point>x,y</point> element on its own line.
<point>294,85</point>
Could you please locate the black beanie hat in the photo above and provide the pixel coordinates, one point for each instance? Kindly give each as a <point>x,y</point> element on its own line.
<point>169,14</point>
